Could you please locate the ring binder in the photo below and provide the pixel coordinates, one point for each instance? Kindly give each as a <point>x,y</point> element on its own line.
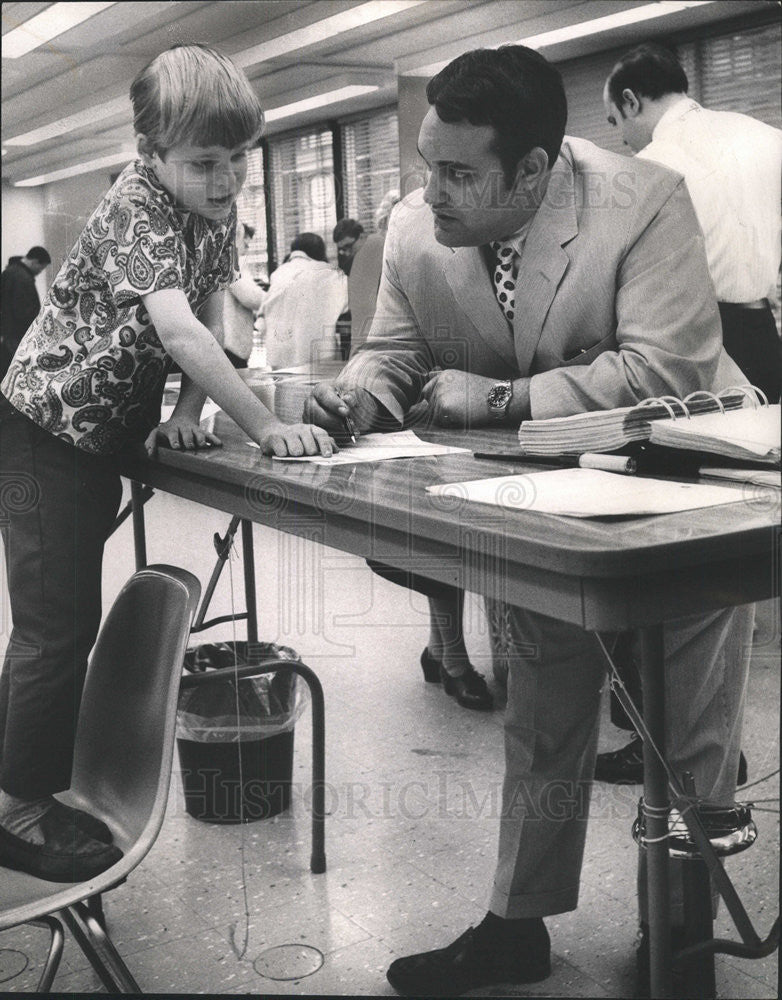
<point>705,392</point>
<point>736,423</point>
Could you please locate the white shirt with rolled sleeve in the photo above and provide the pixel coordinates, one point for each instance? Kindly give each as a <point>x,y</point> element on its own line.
<point>732,165</point>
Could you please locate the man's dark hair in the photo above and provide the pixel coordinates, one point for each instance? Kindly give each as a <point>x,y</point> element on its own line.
<point>514,90</point>
<point>311,244</point>
<point>39,254</point>
<point>649,71</point>
<point>347,227</point>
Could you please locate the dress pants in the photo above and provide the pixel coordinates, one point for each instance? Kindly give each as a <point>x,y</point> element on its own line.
<point>751,338</point>
<point>57,507</point>
<point>555,679</point>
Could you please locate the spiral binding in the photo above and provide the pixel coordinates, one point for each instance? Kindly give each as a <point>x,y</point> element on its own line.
<point>668,402</point>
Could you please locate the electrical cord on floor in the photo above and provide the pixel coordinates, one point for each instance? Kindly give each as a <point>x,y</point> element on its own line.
<point>240,952</point>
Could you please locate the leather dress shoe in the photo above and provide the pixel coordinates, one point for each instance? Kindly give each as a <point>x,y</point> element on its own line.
<point>88,824</point>
<point>467,964</point>
<point>431,667</point>
<point>66,855</point>
<point>469,689</point>
<point>625,766</point>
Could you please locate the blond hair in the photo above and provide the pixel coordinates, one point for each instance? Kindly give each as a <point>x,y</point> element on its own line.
<point>194,94</point>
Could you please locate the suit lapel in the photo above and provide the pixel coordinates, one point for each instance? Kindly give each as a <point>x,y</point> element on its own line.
<point>466,273</point>
<point>544,262</point>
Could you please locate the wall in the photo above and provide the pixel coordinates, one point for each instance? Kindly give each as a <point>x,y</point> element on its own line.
<point>67,206</point>
<point>23,226</point>
<point>412,108</point>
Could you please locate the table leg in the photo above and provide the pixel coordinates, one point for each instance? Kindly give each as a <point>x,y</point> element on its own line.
<point>657,803</point>
<point>248,561</point>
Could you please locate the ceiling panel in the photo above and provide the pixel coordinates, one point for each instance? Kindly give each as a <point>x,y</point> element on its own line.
<point>89,68</point>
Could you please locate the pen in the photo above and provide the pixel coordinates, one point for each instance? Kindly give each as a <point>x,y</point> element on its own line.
<point>347,420</point>
<point>607,463</point>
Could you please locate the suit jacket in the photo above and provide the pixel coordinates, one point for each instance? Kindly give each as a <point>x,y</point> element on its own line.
<point>614,302</point>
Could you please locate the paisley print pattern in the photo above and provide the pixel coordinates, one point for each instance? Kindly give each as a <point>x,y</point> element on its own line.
<point>91,368</point>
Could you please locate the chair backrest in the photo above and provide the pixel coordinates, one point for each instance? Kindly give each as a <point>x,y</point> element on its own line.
<point>127,720</point>
<point>125,734</point>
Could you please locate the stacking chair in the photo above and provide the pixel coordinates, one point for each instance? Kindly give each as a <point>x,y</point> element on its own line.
<point>122,763</point>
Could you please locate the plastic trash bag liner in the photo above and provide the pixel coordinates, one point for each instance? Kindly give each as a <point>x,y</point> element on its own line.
<point>267,705</point>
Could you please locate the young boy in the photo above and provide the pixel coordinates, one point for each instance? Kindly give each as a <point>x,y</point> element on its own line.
<point>138,290</point>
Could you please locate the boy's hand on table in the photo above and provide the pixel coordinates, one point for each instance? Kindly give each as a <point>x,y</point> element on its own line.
<point>295,440</point>
<point>181,434</point>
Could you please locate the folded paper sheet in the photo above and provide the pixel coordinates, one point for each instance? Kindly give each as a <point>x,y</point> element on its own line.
<point>588,493</point>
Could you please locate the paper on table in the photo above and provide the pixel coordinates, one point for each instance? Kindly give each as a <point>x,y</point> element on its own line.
<point>758,477</point>
<point>378,448</point>
<point>588,493</point>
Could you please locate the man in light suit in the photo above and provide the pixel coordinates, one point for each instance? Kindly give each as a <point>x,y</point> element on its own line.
<point>536,277</point>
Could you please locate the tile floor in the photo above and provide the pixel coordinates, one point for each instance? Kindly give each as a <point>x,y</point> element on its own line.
<point>413,782</point>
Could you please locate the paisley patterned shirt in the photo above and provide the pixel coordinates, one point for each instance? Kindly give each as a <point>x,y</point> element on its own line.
<point>91,368</point>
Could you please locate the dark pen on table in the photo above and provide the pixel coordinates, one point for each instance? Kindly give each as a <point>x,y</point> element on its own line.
<point>347,420</point>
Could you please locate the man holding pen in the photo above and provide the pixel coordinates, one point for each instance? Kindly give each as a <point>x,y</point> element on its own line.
<point>537,276</point>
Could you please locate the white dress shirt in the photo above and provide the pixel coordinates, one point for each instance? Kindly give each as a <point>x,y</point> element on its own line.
<point>733,168</point>
<point>305,299</point>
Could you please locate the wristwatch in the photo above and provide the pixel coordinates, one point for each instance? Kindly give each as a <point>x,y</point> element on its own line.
<point>499,399</point>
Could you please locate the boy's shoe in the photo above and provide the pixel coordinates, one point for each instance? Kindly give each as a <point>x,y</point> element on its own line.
<point>66,855</point>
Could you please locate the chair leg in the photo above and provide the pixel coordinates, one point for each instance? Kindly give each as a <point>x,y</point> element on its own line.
<point>56,942</point>
<point>98,948</point>
<point>95,907</point>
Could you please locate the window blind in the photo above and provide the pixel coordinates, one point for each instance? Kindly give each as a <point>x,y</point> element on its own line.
<point>302,188</point>
<point>251,211</point>
<point>370,163</point>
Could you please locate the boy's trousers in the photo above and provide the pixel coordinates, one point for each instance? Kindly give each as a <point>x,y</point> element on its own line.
<point>57,507</point>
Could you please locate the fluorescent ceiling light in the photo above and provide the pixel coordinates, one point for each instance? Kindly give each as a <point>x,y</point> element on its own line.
<point>70,123</point>
<point>593,26</point>
<point>319,101</point>
<point>112,160</point>
<point>51,22</point>
<point>632,16</point>
<point>355,17</point>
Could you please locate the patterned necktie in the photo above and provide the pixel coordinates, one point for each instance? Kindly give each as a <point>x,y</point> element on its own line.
<point>505,277</point>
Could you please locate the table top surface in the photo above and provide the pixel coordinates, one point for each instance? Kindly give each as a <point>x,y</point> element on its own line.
<point>393,494</point>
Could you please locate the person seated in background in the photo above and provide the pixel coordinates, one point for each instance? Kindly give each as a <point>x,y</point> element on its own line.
<point>520,295</point>
<point>306,297</point>
<point>365,271</point>
<point>241,304</point>
<point>445,658</point>
<point>347,237</point>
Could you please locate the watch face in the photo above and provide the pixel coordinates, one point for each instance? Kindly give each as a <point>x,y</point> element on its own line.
<point>499,396</point>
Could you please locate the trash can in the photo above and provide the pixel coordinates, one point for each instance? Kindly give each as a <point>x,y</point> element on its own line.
<point>235,741</point>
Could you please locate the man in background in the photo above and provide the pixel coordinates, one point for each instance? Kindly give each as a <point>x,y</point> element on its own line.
<point>19,301</point>
<point>731,164</point>
<point>347,236</point>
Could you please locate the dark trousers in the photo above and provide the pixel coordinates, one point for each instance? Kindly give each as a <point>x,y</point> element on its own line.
<point>57,507</point>
<point>751,338</point>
